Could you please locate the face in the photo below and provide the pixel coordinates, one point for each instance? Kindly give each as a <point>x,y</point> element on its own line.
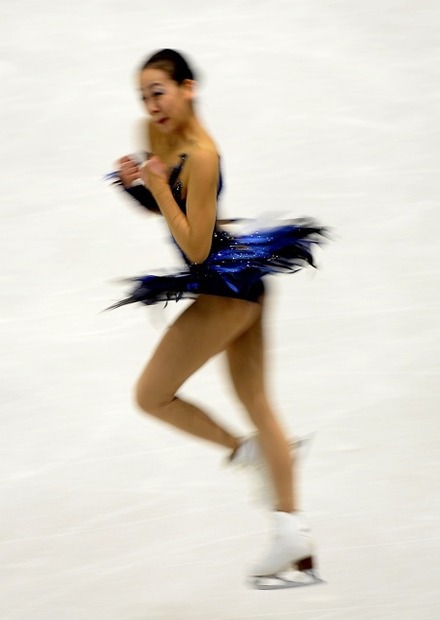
<point>168,103</point>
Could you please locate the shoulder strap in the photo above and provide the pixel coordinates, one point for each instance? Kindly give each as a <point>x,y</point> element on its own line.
<point>177,169</point>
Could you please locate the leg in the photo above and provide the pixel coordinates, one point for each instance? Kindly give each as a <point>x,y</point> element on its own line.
<point>247,370</point>
<point>202,331</point>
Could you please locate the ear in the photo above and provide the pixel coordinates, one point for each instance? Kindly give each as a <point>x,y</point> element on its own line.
<point>189,89</point>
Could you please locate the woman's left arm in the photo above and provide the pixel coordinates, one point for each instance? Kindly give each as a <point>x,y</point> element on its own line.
<point>193,231</point>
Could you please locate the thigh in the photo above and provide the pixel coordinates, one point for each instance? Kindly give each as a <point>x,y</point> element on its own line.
<point>202,331</point>
<point>246,362</point>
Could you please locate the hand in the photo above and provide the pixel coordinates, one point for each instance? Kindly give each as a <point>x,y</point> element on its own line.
<point>129,171</point>
<point>154,174</point>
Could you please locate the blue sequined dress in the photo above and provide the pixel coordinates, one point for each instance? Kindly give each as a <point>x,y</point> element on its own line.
<point>236,265</point>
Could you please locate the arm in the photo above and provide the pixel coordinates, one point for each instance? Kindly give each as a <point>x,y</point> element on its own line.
<point>129,172</point>
<point>143,196</point>
<point>193,231</point>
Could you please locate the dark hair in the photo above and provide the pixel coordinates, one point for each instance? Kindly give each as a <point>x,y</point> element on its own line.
<point>172,62</point>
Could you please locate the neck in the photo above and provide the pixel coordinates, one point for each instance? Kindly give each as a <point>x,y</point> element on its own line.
<point>188,134</point>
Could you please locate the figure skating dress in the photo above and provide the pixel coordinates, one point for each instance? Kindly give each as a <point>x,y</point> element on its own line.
<point>236,264</point>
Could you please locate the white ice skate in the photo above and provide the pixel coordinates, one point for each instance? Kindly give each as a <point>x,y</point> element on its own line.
<point>249,451</point>
<point>248,456</point>
<point>289,560</point>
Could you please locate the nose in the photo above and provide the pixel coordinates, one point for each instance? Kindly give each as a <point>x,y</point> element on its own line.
<point>152,106</point>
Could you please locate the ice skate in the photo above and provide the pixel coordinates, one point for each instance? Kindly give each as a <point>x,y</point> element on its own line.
<point>289,561</point>
<point>248,456</point>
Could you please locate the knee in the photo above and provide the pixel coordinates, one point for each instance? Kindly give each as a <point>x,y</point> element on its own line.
<point>148,399</point>
<point>252,398</point>
<point>142,398</point>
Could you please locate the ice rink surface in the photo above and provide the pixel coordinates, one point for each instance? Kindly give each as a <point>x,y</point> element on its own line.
<point>327,108</point>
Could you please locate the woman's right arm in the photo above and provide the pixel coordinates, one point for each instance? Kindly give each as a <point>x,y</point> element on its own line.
<point>128,174</point>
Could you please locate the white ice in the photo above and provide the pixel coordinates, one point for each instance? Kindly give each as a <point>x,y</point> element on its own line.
<point>326,108</point>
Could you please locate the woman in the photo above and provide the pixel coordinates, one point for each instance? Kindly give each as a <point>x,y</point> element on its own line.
<point>181,180</point>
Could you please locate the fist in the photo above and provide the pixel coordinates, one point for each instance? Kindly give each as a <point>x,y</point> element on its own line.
<point>153,173</point>
<point>129,171</point>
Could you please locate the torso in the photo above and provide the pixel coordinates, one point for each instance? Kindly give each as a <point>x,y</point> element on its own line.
<point>171,154</point>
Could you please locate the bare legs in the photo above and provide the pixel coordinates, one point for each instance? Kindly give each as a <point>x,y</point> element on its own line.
<point>247,370</point>
<point>202,331</point>
<point>207,327</point>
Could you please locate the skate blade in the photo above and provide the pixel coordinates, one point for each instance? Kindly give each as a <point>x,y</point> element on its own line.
<point>281,582</point>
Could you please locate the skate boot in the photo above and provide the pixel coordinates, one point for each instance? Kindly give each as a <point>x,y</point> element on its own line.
<point>248,456</point>
<point>249,452</point>
<point>291,550</point>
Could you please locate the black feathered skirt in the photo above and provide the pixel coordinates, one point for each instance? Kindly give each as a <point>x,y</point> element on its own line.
<point>236,264</point>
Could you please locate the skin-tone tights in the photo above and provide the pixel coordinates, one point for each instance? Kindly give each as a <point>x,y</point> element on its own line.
<point>211,325</point>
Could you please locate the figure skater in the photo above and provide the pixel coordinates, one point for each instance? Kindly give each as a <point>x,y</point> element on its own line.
<point>223,274</point>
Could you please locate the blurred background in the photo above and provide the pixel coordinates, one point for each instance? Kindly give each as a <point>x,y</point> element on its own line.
<point>326,108</point>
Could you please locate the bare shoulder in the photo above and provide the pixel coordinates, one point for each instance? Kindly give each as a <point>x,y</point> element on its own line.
<point>204,157</point>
